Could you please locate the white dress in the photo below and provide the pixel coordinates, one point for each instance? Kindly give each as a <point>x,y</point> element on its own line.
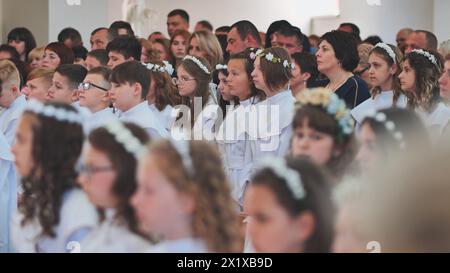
<point>164,116</point>
<point>274,131</point>
<point>144,117</point>
<point>76,214</point>
<point>84,111</point>
<point>99,119</point>
<point>111,236</point>
<point>436,121</point>
<point>9,118</point>
<point>234,146</point>
<point>8,193</point>
<point>381,101</point>
<point>188,245</point>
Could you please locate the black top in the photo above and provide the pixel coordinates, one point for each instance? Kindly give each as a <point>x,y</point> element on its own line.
<point>354,91</point>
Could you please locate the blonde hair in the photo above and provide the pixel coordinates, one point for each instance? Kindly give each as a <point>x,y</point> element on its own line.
<point>152,55</point>
<point>208,43</point>
<point>37,73</point>
<point>444,48</point>
<point>364,50</point>
<point>9,73</point>
<point>214,218</point>
<point>37,52</point>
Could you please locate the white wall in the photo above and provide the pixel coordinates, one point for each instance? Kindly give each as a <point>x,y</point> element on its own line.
<point>442,19</point>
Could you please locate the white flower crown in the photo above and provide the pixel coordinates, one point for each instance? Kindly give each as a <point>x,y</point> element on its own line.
<point>221,67</point>
<point>125,138</point>
<point>388,50</point>
<point>51,111</point>
<point>426,55</point>
<point>280,168</point>
<point>271,58</point>
<point>158,68</point>
<point>389,125</point>
<point>182,148</point>
<point>197,62</point>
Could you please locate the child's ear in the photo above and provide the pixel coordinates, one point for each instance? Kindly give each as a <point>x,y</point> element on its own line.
<point>394,69</point>
<point>137,89</point>
<point>75,95</point>
<point>305,223</point>
<point>106,97</point>
<point>306,76</point>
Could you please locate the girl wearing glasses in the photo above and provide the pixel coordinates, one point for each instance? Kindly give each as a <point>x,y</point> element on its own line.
<point>54,215</point>
<point>108,178</point>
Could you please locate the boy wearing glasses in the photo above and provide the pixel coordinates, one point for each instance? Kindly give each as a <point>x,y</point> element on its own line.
<point>94,95</point>
<point>130,84</point>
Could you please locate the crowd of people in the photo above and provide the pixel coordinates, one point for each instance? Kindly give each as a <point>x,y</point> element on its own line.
<point>224,140</point>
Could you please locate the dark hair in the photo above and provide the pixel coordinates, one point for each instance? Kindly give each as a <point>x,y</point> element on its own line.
<point>373,40</point>
<point>307,63</point>
<point>125,165</point>
<point>222,38</point>
<point>116,25</point>
<point>74,73</point>
<point>101,55</point>
<point>72,34</point>
<point>223,29</point>
<point>25,35</point>
<point>432,41</point>
<point>427,76</point>
<point>275,75</point>
<point>53,173</point>
<point>64,53</point>
<point>345,48</point>
<point>206,25</point>
<point>105,72</point>
<point>11,50</point>
<point>80,52</point>
<point>182,13</point>
<point>245,28</point>
<point>306,44</point>
<point>111,34</point>
<point>126,46</point>
<point>291,31</point>
<point>132,72</point>
<point>317,200</point>
<point>274,27</point>
<point>355,30</point>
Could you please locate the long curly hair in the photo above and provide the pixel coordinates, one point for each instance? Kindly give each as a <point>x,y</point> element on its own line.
<point>124,164</point>
<point>55,150</point>
<point>214,217</point>
<point>426,94</point>
<point>166,93</point>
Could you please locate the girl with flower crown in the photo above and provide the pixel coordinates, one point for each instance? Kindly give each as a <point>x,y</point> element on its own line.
<point>184,199</point>
<point>290,208</point>
<point>55,214</point>
<point>323,131</point>
<point>419,80</point>
<point>232,137</point>
<point>193,82</point>
<point>384,68</point>
<point>108,176</point>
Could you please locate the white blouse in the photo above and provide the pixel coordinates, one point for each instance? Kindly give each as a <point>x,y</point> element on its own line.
<point>437,120</point>
<point>99,119</point>
<point>111,236</point>
<point>381,101</point>
<point>165,116</point>
<point>188,245</point>
<point>76,214</point>
<point>142,116</point>
<point>9,118</point>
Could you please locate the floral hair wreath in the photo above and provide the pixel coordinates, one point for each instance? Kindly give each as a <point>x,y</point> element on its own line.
<point>221,67</point>
<point>388,50</point>
<point>280,168</point>
<point>125,138</point>
<point>389,125</point>
<point>332,104</point>
<point>271,58</point>
<point>427,55</point>
<point>198,63</point>
<point>158,68</point>
<point>54,112</point>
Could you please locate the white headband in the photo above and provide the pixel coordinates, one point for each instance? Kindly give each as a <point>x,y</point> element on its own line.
<point>426,55</point>
<point>182,148</point>
<point>388,50</point>
<point>124,136</point>
<point>280,168</point>
<point>158,68</point>
<point>54,112</point>
<point>221,67</point>
<point>198,63</point>
<point>389,125</point>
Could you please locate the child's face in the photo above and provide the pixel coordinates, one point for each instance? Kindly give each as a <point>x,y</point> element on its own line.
<point>186,83</point>
<point>238,81</point>
<point>60,90</point>
<point>91,62</point>
<point>160,51</point>
<point>8,94</point>
<point>312,144</point>
<point>367,156</point>
<point>224,88</point>
<point>97,178</point>
<point>271,228</point>
<point>407,77</point>
<point>159,207</point>
<point>346,240</point>
<point>115,58</point>
<point>379,71</point>
<point>36,62</point>
<point>179,47</point>
<point>23,146</point>
<point>38,89</point>
<point>444,82</point>
<point>94,96</point>
<point>50,59</point>
<point>124,96</point>
<point>258,77</point>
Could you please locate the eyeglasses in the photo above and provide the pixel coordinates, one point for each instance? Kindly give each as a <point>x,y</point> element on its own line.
<point>181,80</point>
<point>91,170</point>
<point>360,72</point>
<point>88,85</point>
